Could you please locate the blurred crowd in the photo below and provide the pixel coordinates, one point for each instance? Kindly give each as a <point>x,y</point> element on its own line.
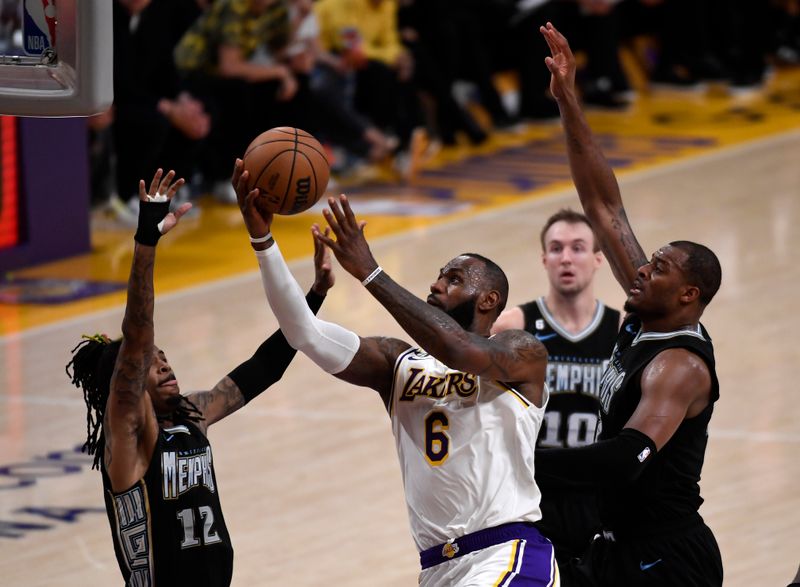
<point>376,81</point>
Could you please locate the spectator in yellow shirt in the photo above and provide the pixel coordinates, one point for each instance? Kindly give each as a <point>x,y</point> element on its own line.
<point>363,42</point>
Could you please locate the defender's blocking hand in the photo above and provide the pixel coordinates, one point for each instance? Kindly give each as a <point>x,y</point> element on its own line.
<point>162,190</point>
<point>561,63</point>
<point>323,270</point>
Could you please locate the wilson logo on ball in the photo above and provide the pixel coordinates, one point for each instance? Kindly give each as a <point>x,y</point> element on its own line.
<point>289,167</point>
<point>302,187</point>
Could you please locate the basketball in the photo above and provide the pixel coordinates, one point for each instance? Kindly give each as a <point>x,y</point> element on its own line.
<point>289,167</point>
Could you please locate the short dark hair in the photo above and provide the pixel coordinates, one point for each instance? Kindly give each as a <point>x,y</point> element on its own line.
<point>702,268</point>
<point>569,216</point>
<point>496,278</point>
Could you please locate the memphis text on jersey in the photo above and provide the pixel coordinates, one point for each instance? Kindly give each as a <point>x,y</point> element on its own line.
<point>422,384</point>
<point>182,471</point>
<point>575,374</point>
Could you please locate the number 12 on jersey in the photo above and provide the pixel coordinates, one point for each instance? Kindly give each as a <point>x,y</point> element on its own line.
<point>205,515</point>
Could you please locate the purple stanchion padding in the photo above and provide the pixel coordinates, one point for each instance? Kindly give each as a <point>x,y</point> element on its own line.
<point>54,192</point>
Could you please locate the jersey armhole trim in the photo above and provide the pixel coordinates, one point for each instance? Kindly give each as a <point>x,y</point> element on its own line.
<point>521,398</point>
<point>398,361</point>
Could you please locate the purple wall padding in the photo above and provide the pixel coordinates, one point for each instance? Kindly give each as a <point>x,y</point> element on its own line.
<point>54,184</point>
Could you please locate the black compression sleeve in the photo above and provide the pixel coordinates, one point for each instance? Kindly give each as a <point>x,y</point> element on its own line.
<point>618,461</point>
<point>270,361</point>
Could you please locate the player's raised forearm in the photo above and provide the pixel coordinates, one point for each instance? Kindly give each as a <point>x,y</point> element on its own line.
<point>432,329</point>
<point>599,194</point>
<point>329,345</point>
<point>137,325</point>
<point>136,351</point>
<point>593,177</point>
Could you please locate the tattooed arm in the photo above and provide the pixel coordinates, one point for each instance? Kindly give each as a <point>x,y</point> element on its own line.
<point>512,357</point>
<point>594,179</point>
<point>130,425</point>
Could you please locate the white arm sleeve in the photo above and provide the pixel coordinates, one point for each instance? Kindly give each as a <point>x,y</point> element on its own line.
<point>329,345</point>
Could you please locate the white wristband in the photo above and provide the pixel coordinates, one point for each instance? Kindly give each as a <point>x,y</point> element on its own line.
<point>368,279</point>
<point>261,239</point>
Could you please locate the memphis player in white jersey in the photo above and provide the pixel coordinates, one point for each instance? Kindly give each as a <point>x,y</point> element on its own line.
<point>465,417</point>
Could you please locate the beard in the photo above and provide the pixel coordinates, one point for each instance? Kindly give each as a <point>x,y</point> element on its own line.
<point>464,314</point>
<point>645,310</point>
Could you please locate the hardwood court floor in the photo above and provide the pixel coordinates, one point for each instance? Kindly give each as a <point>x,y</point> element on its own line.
<point>308,473</point>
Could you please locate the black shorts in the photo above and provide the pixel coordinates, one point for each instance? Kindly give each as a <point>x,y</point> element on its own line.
<point>689,558</point>
<point>570,520</point>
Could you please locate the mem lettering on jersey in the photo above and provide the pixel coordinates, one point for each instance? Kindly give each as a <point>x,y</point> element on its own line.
<point>133,531</point>
<point>182,472</point>
<point>422,384</point>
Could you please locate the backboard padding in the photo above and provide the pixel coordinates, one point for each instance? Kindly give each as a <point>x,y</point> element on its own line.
<point>80,82</point>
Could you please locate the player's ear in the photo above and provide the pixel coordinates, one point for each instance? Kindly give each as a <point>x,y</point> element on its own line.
<point>489,301</point>
<point>689,294</point>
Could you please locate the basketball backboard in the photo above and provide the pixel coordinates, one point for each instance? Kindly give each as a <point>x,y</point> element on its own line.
<point>56,57</point>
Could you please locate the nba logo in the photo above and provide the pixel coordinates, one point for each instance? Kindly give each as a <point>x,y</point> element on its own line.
<point>39,26</point>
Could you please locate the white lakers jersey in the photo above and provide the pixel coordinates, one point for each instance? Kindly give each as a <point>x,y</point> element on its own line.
<point>466,448</point>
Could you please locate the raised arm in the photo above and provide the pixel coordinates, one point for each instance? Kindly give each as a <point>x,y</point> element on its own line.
<point>594,179</point>
<point>513,356</point>
<point>367,362</point>
<point>130,425</point>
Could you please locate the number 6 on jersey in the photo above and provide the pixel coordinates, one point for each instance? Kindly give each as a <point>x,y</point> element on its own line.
<point>437,442</point>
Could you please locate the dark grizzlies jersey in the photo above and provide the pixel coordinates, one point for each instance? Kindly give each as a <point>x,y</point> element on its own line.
<point>168,528</point>
<point>668,490</point>
<point>575,365</point>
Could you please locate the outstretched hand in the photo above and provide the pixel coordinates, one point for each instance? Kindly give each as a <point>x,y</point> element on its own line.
<point>162,186</point>
<point>561,63</point>
<point>323,271</point>
<point>256,220</point>
<point>350,247</point>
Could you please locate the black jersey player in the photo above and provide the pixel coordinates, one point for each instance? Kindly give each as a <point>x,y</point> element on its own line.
<point>578,331</point>
<point>149,441</point>
<point>657,395</point>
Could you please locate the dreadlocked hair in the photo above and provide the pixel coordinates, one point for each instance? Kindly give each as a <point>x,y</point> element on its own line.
<point>93,361</point>
<point>92,365</point>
